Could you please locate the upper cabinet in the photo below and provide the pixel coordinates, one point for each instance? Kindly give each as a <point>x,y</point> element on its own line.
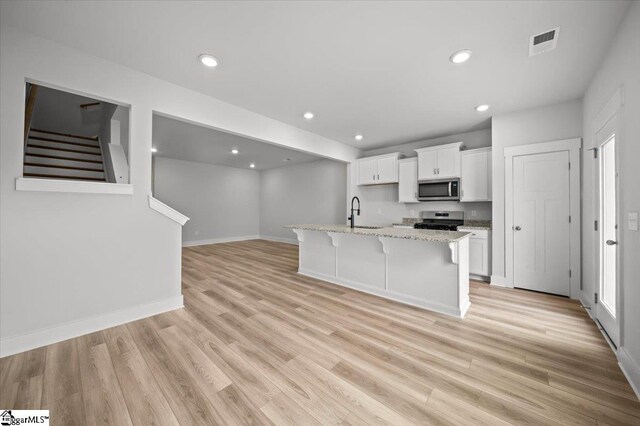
<point>439,162</point>
<point>378,170</point>
<point>475,180</point>
<point>408,180</point>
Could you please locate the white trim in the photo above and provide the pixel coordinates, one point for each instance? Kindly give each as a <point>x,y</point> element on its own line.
<point>387,294</point>
<point>630,369</point>
<point>77,186</point>
<point>573,146</point>
<point>500,281</point>
<point>609,110</point>
<point>483,278</point>
<point>219,240</point>
<point>46,336</point>
<point>293,241</point>
<point>167,211</point>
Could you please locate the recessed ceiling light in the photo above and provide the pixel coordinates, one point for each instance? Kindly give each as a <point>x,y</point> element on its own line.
<point>482,108</point>
<point>460,56</point>
<point>308,115</point>
<point>154,149</point>
<point>253,166</point>
<point>234,151</point>
<point>359,137</point>
<point>208,60</point>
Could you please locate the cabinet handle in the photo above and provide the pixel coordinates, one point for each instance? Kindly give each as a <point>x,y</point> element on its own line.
<point>378,176</point>
<point>438,170</point>
<point>374,177</point>
<point>434,171</point>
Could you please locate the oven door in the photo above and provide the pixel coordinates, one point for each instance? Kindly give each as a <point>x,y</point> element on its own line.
<point>438,190</point>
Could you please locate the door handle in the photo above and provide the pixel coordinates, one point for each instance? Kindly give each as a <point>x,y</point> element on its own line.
<point>517,228</point>
<point>611,243</point>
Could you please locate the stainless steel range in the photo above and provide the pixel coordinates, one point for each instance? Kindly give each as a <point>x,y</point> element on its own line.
<point>447,221</point>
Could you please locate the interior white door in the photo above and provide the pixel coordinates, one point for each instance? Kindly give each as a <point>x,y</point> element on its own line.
<point>448,162</point>
<point>387,170</point>
<point>541,222</point>
<point>607,298</point>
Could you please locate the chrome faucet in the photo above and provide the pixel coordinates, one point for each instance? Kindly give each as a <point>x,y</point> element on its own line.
<point>352,218</point>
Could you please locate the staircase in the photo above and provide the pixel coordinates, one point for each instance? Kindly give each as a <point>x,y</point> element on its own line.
<point>53,155</point>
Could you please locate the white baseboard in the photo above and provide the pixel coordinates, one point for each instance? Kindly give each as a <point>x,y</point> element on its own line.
<point>631,370</point>
<point>219,240</point>
<point>482,278</point>
<point>279,239</point>
<point>500,281</point>
<point>386,294</point>
<point>24,342</point>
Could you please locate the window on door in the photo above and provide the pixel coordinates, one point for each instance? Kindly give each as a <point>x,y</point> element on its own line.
<point>609,225</point>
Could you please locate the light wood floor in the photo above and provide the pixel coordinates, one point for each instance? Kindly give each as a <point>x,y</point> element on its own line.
<point>258,343</point>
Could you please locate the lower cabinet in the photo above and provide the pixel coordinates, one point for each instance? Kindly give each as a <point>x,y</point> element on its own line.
<point>479,252</point>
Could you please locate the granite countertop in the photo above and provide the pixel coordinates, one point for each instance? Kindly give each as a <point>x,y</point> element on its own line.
<point>407,234</point>
<point>477,225</point>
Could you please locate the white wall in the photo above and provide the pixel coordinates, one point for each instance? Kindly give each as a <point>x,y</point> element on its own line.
<point>221,202</point>
<point>76,259</point>
<point>548,123</point>
<point>380,202</point>
<point>313,192</point>
<point>621,69</point>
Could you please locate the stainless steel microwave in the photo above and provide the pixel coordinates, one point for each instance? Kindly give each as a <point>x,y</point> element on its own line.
<point>439,190</point>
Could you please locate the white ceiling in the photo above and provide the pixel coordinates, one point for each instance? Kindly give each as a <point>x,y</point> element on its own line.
<point>190,142</point>
<point>376,68</point>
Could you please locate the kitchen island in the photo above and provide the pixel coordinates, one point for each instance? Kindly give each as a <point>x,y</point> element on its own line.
<point>419,267</point>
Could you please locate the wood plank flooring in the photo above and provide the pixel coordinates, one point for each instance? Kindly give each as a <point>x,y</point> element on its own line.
<point>259,344</point>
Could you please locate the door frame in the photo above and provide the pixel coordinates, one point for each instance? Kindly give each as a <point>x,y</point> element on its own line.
<point>611,111</point>
<point>573,147</point>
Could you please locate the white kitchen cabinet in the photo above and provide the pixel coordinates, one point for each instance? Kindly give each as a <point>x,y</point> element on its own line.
<point>475,175</point>
<point>377,170</point>
<point>408,180</point>
<point>479,254</point>
<point>439,162</point>
<point>367,171</point>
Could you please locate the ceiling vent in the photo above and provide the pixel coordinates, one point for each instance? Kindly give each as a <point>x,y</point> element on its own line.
<point>543,42</point>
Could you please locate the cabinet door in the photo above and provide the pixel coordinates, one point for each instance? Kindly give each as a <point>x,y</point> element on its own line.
<point>479,256</point>
<point>367,172</point>
<point>427,165</point>
<point>408,181</point>
<point>448,162</point>
<point>475,177</point>
<point>387,170</point>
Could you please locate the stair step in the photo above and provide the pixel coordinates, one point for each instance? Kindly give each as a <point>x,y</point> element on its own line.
<point>68,154</point>
<point>64,146</point>
<point>63,149</point>
<point>38,175</point>
<point>67,173</point>
<point>61,166</point>
<point>67,135</point>
<point>56,157</point>
<point>86,145</point>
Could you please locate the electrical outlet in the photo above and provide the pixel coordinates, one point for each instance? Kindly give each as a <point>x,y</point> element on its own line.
<point>473,213</point>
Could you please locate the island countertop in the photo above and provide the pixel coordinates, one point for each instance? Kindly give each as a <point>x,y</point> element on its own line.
<point>407,234</point>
